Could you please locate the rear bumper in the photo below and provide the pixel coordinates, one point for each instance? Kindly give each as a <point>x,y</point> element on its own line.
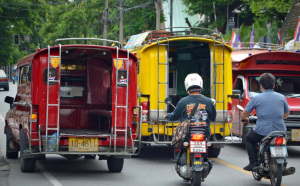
<point>3,84</point>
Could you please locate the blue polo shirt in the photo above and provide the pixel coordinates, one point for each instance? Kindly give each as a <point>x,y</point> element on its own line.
<point>270,107</point>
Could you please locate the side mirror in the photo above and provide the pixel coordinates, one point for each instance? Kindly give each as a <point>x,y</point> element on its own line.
<point>9,100</point>
<point>236,94</point>
<point>168,101</point>
<point>240,107</point>
<point>213,101</point>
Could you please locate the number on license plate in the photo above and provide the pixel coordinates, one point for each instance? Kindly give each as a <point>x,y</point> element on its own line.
<point>83,144</point>
<point>197,146</point>
<point>278,151</point>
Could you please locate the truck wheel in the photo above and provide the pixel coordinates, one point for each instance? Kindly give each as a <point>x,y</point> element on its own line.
<point>213,152</point>
<point>26,164</point>
<point>115,164</point>
<point>10,153</point>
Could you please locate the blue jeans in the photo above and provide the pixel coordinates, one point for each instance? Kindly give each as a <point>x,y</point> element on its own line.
<point>252,139</point>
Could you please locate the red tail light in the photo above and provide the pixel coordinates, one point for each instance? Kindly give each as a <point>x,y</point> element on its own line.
<point>145,114</point>
<point>3,79</point>
<point>134,122</point>
<point>279,141</point>
<point>197,137</point>
<point>229,112</point>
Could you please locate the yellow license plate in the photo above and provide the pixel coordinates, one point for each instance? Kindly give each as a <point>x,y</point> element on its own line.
<point>83,144</point>
<point>295,135</point>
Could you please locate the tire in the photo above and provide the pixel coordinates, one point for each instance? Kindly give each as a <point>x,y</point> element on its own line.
<point>115,164</point>
<point>196,181</point>
<point>26,164</point>
<point>6,88</point>
<point>213,152</point>
<point>275,173</point>
<point>256,175</point>
<point>89,157</point>
<point>10,153</point>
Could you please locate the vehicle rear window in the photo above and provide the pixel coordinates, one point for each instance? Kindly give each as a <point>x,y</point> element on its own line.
<point>2,73</point>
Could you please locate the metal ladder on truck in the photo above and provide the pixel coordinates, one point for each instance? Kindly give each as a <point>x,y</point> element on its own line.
<point>166,83</point>
<point>217,64</point>
<point>57,83</point>
<point>118,107</point>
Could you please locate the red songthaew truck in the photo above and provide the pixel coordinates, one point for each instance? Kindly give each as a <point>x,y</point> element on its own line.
<point>74,100</point>
<point>248,65</point>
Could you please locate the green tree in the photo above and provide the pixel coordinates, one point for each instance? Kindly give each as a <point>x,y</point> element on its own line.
<point>19,17</point>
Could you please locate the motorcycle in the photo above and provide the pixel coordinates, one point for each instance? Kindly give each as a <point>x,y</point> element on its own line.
<point>191,155</point>
<point>272,154</point>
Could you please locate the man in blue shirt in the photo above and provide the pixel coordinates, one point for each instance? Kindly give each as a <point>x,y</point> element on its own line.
<point>271,108</point>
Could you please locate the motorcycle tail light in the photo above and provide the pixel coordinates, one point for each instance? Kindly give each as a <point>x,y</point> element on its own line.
<point>197,137</point>
<point>278,141</point>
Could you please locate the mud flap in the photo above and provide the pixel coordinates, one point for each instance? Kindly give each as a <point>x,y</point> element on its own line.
<point>198,163</point>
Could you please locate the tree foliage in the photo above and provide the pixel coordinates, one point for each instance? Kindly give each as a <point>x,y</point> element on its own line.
<point>44,21</point>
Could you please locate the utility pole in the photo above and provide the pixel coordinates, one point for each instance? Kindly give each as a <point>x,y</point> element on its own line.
<point>158,15</point>
<point>171,15</point>
<point>121,24</point>
<point>105,22</point>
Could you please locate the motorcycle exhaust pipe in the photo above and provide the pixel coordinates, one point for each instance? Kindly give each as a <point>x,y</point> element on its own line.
<point>289,171</point>
<point>206,169</point>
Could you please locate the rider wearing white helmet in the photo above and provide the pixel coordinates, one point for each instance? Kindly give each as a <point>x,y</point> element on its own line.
<point>206,112</point>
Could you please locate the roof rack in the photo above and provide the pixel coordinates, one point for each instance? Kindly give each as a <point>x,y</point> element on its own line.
<point>184,32</point>
<point>91,39</point>
<point>256,46</point>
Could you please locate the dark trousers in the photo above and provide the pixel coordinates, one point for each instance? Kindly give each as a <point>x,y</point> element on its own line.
<point>252,139</point>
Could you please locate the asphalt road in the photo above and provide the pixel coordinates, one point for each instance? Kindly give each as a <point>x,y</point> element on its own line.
<point>152,167</point>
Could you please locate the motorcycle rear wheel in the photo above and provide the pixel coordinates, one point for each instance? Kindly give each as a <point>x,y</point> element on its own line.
<point>197,176</point>
<point>275,173</point>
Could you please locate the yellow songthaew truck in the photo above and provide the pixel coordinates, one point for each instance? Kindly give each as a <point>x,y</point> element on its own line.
<point>164,60</point>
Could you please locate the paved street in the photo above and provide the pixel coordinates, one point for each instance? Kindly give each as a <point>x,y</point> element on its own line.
<point>152,167</point>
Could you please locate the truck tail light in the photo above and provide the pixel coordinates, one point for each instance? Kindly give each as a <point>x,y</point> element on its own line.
<point>197,137</point>
<point>135,121</point>
<point>34,119</point>
<point>145,114</point>
<point>229,112</point>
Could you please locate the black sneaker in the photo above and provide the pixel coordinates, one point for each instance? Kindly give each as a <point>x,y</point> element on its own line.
<point>251,166</point>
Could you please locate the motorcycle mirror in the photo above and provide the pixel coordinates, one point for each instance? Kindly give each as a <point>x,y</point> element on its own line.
<point>240,107</point>
<point>168,100</point>
<point>213,101</point>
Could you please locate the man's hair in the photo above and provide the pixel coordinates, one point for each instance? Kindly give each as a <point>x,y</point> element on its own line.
<point>267,80</point>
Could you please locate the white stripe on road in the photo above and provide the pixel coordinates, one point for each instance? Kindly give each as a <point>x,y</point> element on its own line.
<point>51,178</point>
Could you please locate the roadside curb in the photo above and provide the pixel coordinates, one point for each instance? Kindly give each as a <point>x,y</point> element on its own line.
<point>4,166</point>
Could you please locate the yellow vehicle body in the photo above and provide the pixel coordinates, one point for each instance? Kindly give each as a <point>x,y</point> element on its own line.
<point>163,65</point>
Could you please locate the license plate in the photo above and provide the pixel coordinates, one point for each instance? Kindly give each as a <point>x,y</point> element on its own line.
<point>83,144</point>
<point>295,135</point>
<point>197,146</point>
<point>279,151</point>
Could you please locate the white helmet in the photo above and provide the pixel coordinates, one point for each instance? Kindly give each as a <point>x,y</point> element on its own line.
<point>193,81</point>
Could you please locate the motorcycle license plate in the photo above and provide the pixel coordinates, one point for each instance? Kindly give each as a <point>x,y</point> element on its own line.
<point>279,151</point>
<point>83,144</point>
<point>197,146</point>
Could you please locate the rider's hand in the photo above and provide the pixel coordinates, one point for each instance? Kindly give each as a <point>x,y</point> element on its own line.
<point>245,121</point>
<point>165,116</point>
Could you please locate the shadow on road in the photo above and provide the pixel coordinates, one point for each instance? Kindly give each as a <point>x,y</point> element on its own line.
<point>156,152</point>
